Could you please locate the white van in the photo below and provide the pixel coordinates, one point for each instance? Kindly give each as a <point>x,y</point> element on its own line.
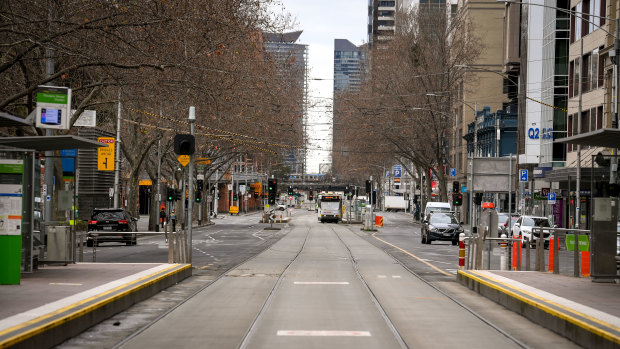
<point>436,206</point>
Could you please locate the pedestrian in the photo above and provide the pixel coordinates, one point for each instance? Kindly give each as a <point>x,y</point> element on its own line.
<point>173,220</point>
<point>162,217</point>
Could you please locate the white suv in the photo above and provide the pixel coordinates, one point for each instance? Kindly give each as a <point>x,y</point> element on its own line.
<point>524,226</point>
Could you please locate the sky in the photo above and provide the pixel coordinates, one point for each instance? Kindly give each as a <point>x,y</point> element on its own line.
<point>322,21</point>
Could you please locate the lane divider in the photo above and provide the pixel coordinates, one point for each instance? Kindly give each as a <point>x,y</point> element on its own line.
<point>412,255</point>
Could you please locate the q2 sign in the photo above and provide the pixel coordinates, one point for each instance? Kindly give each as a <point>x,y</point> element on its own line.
<point>535,133</point>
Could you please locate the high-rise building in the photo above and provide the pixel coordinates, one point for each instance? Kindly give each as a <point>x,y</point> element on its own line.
<point>293,57</point>
<point>348,65</point>
<point>381,17</point>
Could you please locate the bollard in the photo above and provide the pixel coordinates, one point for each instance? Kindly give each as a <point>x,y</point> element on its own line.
<point>551,252</point>
<point>461,251</point>
<point>504,253</point>
<point>585,263</point>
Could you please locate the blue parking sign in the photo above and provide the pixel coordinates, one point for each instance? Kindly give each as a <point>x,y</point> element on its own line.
<point>452,172</point>
<point>523,175</point>
<point>551,198</point>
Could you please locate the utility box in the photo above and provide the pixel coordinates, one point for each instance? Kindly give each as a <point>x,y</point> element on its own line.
<point>58,244</point>
<point>603,240</point>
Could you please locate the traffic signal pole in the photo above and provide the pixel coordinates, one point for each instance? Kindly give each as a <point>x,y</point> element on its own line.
<point>190,200</point>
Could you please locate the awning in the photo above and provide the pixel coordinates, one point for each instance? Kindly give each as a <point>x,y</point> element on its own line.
<point>605,137</point>
<point>8,120</point>
<point>44,143</point>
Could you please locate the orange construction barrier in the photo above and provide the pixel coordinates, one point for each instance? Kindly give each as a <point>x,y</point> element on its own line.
<point>585,263</point>
<point>379,221</point>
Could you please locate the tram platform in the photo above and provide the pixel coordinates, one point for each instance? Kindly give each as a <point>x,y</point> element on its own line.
<point>58,302</point>
<point>588,313</point>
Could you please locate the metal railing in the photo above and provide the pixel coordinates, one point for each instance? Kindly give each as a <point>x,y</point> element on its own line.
<point>480,250</point>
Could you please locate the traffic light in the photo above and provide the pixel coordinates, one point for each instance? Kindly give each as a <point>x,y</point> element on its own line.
<point>177,194</point>
<point>184,144</point>
<point>234,197</point>
<point>478,199</point>
<point>272,187</point>
<point>458,199</point>
<point>290,190</point>
<point>255,195</point>
<point>198,196</point>
<point>456,187</point>
<point>368,187</point>
<point>311,195</point>
<point>199,184</point>
<point>170,194</point>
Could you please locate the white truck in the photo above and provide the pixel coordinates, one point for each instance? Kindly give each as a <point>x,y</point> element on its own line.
<point>396,203</point>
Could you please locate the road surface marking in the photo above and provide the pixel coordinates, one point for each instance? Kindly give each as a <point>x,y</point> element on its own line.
<point>411,254</point>
<point>256,235</point>
<point>381,276</point>
<point>395,276</point>
<point>321,283</point>
<point>64,284</point>
<point>324,333</point>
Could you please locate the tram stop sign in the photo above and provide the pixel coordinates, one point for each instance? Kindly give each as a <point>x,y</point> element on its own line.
<point>584,243</point>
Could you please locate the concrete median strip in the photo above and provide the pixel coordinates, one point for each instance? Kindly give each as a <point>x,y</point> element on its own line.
<point>55,322</point>
<point>584,325</point>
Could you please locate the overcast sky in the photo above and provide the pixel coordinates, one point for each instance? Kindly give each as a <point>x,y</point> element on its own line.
<point>322,21</point>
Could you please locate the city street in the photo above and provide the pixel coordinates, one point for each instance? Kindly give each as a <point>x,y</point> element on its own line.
<point>325,285</point>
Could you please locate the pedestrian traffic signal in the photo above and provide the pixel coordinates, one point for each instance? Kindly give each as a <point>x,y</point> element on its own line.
<point>290,190</point>
<point>199,184</point>
<point>170,194</point>
<point>478,198</point>
<point>177,194</point>
<point>368,187</point>
<point>456,187</point>
<point>458,199</point>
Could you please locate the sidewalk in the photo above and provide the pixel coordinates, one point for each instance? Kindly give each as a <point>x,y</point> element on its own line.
<point>58,302</point>
<point>585,312</point>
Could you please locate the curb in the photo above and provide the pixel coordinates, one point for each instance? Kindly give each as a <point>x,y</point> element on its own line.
<point>581,328</point>
<point>53,328</point>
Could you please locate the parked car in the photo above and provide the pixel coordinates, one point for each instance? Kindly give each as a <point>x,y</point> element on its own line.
<point>524,226</point>
<point>111,225</point>
<point>441,226</point>
<point>504,229</point>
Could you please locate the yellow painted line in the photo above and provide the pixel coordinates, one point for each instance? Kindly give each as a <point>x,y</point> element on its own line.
<point>43,327</point>
<point>480,278</point>
<point>412,255</point>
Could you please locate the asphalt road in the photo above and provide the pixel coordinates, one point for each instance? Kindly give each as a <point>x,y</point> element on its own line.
<point>315,285</point>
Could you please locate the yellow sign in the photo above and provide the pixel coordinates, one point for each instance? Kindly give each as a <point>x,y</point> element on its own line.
<point>105,155</point>
<point>183,159</point>
<point>203,161</point>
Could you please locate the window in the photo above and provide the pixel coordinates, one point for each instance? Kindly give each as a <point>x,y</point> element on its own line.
<point>577,71</point>
<point>569,131</point>
<point>571,78</point>
<point>585,79</point>
<point>594,70</point>
<point>599,118</point>
<point>593,117</point>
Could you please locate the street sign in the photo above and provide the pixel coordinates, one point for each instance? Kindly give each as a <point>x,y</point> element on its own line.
<point>397,172</point>
<point>584,243</point>
<point>452,172</point>
<point>242,188</point>
<point>110,192</point>
<point>522,175</point>
<point>105,155</point>
<point>463,189</point>
<point>183,159</point>
<point>551,199</point>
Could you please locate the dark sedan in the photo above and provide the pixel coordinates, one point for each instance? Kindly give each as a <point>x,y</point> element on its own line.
<point>442,226</point>
<point>111,225</point>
